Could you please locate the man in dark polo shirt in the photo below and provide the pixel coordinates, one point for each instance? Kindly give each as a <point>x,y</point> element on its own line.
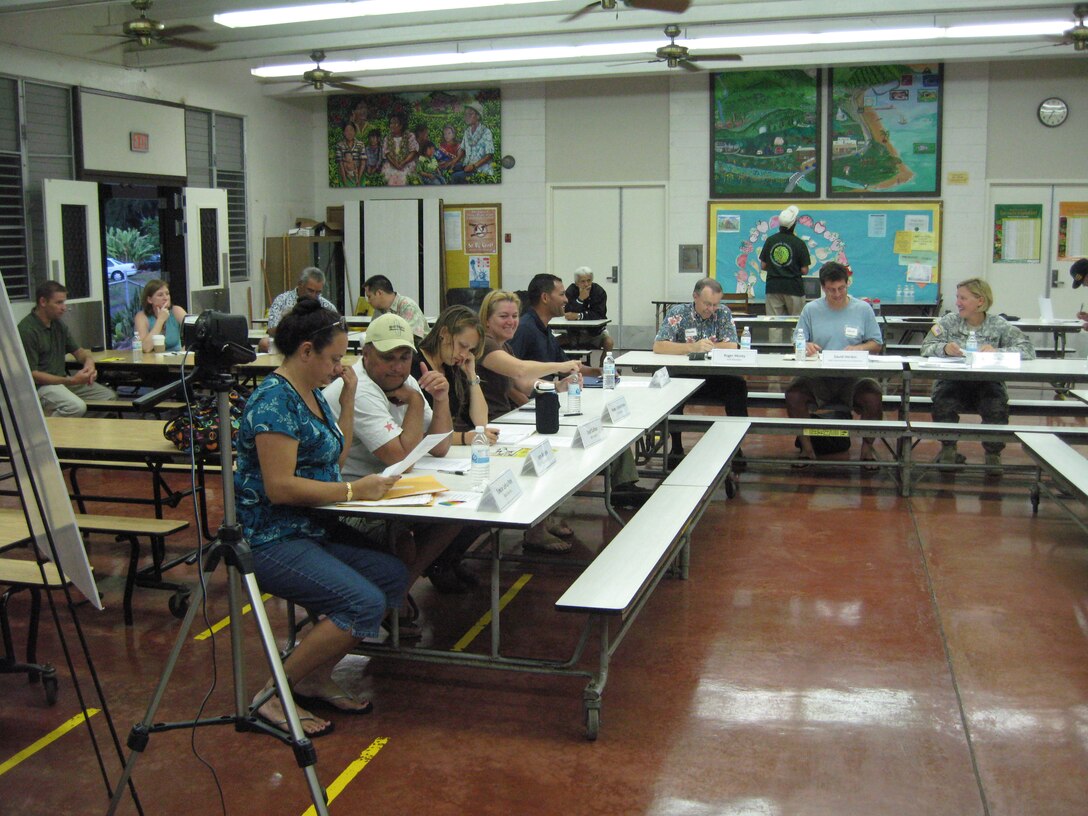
<point>786,260</point>
<point>534,341</point>
<point>46,340</point>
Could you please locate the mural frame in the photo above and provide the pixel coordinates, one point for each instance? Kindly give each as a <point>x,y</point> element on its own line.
<point>905,90</point>
<point>803,89</point>
<point>376,157</point>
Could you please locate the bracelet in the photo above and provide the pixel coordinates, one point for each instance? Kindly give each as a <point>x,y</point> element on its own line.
<point>348,486</point>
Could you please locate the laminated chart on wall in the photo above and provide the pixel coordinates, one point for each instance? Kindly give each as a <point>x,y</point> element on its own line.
<point>1072,230</point>
<point>886,245</point>
<point>1018,233</point>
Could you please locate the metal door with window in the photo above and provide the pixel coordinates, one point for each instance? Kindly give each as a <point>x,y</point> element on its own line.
<point>619,233</point>
<point>73,253</point>
<point>207,248</point>
<point>1019,284</point>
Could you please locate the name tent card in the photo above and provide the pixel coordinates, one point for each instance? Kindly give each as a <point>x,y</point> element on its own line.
<point>589,434</point>
<point>735,356</point>
<point>539,460</point>
<point>660,378</point>
<point>845,358</point>
<point>615,410</point>
<point>501,493</point>
<point>996,359</point>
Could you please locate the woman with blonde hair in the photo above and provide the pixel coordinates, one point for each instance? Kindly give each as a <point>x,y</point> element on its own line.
<point>507,383</point>
<point>949,338</point>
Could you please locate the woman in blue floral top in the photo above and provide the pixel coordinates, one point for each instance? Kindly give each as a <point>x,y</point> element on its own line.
<point>290,448</point>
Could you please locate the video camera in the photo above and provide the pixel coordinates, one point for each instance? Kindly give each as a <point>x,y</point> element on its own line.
<point>220,340</point>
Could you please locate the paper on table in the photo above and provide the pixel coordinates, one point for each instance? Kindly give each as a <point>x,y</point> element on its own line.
<point>418,452</point>
<point>943,362</point>
<point>443,465</point>
<point>414,485</point>
<point>634,384</point>
<point>464,498</point>
<point>420,500</point>
<point>510,434</point>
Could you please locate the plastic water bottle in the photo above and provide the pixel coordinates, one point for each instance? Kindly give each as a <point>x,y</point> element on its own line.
<point>137,348</point>
<point>746,339</point>
<point>909,292</point>
<point>972,342</point>
<point>799,345</point>
<point>574,394</point>
<point>609,371</point>
<point>481,460</point>
<point>899,297</point>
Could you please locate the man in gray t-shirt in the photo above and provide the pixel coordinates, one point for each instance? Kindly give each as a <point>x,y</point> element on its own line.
<point>837,322</point>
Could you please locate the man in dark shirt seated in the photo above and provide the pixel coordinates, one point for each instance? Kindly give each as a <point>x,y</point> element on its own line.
<point>586,300</point>
<point>46,341</point>
<point>534,341</point>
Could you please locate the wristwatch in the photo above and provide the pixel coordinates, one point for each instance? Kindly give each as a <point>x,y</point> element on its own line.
<point>475,380</point>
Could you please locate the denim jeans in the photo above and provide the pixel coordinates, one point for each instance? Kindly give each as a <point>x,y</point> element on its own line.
<point>351,585</point>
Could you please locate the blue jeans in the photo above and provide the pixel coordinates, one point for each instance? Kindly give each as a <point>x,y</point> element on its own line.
<point>351,585</point>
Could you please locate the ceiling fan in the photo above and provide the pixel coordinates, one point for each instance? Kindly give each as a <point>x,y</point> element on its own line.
<point>317,77</point>
<point>144,31</point>
<point>673,6</point>
<point>676,56</point>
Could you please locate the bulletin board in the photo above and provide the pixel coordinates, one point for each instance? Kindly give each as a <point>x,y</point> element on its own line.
<point>885,244</point>
<point>472,246</point>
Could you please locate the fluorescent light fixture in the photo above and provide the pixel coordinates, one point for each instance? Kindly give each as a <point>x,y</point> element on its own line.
<point>622,49</point>
<point>363,8</point>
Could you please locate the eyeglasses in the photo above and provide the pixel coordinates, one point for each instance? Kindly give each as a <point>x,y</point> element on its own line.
<point>342,323</point>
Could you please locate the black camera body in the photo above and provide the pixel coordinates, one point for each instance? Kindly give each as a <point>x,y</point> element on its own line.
<point>696,355</point>
<point>220,340</point>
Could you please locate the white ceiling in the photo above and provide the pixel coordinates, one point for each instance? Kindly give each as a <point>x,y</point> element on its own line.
<point>88,29</point>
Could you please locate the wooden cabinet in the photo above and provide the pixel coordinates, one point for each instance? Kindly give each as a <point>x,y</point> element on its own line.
<point>287,256</point>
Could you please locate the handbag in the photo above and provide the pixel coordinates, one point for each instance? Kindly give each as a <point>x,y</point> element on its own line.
<point>201,433</point>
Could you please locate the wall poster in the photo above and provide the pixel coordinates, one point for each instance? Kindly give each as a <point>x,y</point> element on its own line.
<point>765,134</point>
<point>884,130</point>
<point>1018,233</point>
<point>1072,230</point>
<point>399,139</point>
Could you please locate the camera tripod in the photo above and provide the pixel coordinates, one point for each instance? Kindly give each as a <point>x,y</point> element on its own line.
<point>230,548</point>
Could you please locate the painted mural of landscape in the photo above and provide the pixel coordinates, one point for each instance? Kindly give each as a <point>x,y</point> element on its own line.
<point>885,130</point>
<point>765,133</point>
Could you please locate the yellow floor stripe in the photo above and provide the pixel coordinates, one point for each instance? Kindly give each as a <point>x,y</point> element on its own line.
<point>485,621</point>
<point>223,624</point>
<point>49,738</point>
<point>350,772</point>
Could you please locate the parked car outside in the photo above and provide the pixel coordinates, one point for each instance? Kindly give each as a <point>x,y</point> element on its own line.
<point>152,263</point>
<point>117,270</point>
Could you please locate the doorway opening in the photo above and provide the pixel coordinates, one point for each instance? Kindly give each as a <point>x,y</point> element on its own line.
<point>141,242</point>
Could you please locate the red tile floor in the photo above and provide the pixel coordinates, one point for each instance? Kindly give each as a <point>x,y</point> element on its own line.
<point>838,649</point>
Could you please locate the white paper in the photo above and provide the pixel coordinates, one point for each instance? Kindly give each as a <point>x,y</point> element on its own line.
<point>511,434</point>
<point>1046,308</point>
<point>878,225</point>
<point>469,499</point>
<point>916,223</point>
<point>443,465</point>
<point>557,441</point>
<point>628,383</point>
<point>452,228</point>
<point>419,500</point>
<point>420,450</point>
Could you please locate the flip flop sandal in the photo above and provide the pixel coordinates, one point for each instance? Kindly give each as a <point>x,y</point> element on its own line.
<point>558,527</point>
<point>281,725</point>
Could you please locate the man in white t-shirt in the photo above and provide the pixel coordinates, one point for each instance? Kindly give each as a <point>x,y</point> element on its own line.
<point>391,418</point>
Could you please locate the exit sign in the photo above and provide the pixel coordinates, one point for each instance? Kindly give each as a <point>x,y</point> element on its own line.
<point>139,142</point>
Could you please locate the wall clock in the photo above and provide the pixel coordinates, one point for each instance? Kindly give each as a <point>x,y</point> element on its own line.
<point>1053,111</point>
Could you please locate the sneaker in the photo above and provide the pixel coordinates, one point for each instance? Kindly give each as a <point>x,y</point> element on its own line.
<point>993,464</point>
<point>465,575</point>
<point>540,540</point>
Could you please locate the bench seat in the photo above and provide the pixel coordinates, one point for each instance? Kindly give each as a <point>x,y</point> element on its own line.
<point>14,530</point>
<point>1065,466</point>
<point>18,575</point>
